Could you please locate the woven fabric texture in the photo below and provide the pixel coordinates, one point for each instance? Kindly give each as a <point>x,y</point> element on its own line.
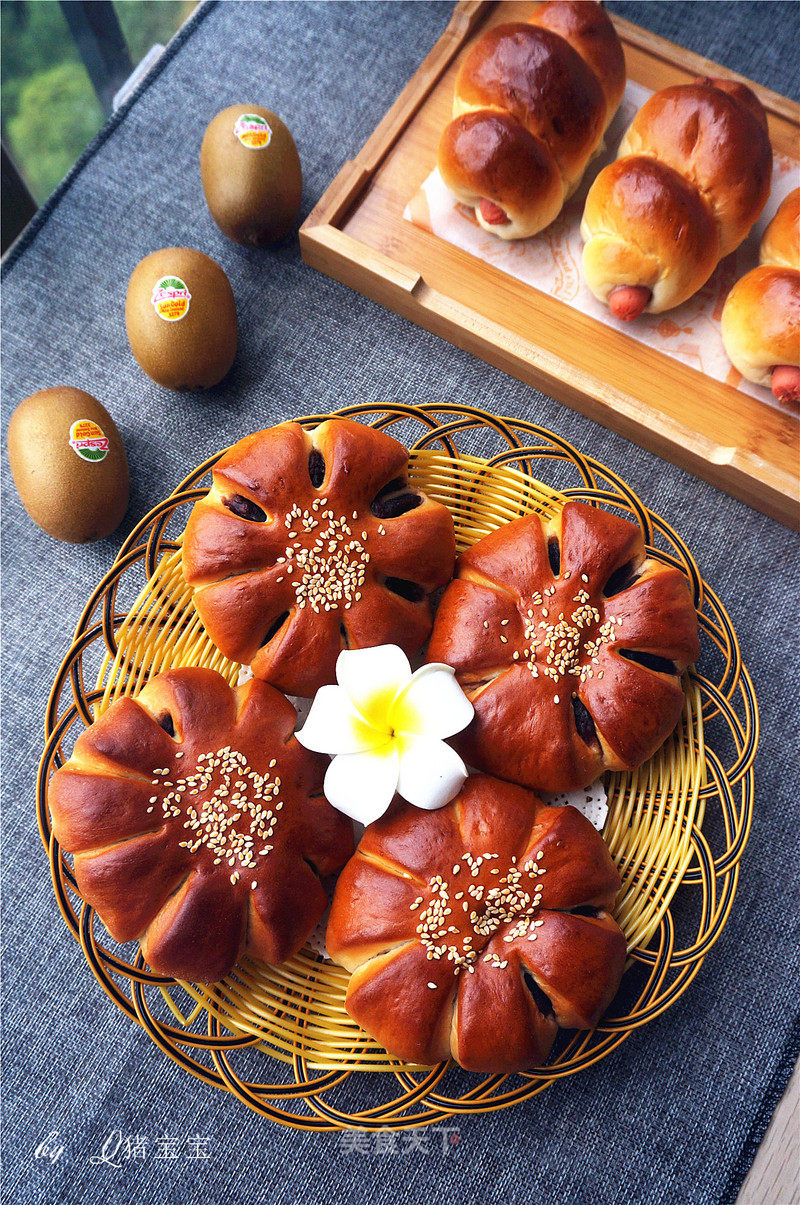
<point>676,1112</point>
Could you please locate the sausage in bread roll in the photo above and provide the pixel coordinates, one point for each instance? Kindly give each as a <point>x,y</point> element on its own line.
<point>692,176</point>
<point>532,102</point>
<point>761,317</point>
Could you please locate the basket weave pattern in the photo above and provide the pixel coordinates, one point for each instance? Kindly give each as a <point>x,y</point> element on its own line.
<point>676,827</point>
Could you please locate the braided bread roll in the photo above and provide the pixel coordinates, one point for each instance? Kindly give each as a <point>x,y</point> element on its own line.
<point>761,316</point>
<point>532,102</point>
<point>692,176</point>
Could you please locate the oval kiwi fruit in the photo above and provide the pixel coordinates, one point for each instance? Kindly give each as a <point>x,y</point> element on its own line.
<point>181,318</point>
<point>251,175</point>
<point>69,464</point>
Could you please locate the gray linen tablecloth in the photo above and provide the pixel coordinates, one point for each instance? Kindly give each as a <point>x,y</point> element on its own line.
<point>676,1113</point>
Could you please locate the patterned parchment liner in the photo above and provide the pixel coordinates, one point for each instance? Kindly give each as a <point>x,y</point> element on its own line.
<point>551,261</point>
<point>591,801</point>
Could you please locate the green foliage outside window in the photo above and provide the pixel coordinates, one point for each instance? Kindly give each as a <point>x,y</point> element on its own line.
<point>49,107</point>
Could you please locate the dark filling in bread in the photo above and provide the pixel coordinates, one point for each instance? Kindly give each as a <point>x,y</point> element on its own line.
<point>274,628</point>
<point>165,721</point>
<point>585,910</point>
<point>554,555</point>
<point>394,499</point>
<point>344,637</point>
<point>316,468</point>
<point>650,661</point>
<point>410,590</point>
<point>542,1001</point>
<point>620,579</point>
<point>245,509</point>
<point>584,723</point>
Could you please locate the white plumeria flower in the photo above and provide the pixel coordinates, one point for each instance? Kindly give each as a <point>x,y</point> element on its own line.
<point>385,728</point>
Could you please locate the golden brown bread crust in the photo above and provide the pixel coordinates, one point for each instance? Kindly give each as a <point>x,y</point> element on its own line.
<point>780,245</point>
<point>545,657</point>
<point>199,869</point>
<point>588,29</point>
<point>433,978</point>
<point>315,567</point>
<point>647,215</point>
<point>761,315</point>
<point>558,78</point>
<point>491,155</point>
<point>712,134</point>
<point>761,322</point>
<point>538,79</point>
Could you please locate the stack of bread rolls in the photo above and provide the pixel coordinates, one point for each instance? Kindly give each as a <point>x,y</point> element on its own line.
<point>532,102</point>
<point>761,318</point>
<point>692,177</point>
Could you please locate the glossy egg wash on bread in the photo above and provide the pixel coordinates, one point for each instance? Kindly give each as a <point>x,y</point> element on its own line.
<point>532,102</point>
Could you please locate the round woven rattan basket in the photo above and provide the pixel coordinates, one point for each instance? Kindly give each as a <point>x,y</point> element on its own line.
<point>278,1037</point>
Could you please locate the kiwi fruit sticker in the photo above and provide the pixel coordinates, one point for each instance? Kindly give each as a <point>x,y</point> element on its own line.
<point>171,298</point>
<point>253,131</point>
<point>87,440</point>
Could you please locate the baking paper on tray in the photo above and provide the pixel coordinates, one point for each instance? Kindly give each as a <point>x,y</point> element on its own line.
<point>551,261</point>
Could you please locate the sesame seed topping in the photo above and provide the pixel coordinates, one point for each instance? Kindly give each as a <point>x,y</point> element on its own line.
<point>232,792</point>
<point>569,645</point>
<point>506,904</point>
<point>328,574</point>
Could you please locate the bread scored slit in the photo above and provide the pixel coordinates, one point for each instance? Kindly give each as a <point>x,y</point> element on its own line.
<point>469,574</point>
<point>474,688</point>
<point>540,997</point>
<point>651,661</point>
<point>317,468</point>
<point>394,868</point>
<point>103,767</point>
<point>624,577</point>
<point>391,947</point>
<point>90,854</point>
<point>275,627</point>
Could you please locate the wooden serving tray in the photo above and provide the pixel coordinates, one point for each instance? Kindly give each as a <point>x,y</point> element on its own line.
<point>357,234</point>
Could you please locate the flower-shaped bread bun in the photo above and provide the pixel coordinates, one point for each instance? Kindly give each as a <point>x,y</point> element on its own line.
<point>475,931</point>
<point>570,643</point>
<point>313,541</point>
<point>198,824</point>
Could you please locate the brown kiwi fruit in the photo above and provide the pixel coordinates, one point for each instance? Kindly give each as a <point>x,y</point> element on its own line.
<point>69,464</point>
<point>181,318</point>
<point>252,179</point>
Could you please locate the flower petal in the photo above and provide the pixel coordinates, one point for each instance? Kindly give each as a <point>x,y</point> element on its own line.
<point>433,704</point>
<point>431,773</point>
<point>334,726</point>
<point>362,785</point>
<point>372,678</point>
